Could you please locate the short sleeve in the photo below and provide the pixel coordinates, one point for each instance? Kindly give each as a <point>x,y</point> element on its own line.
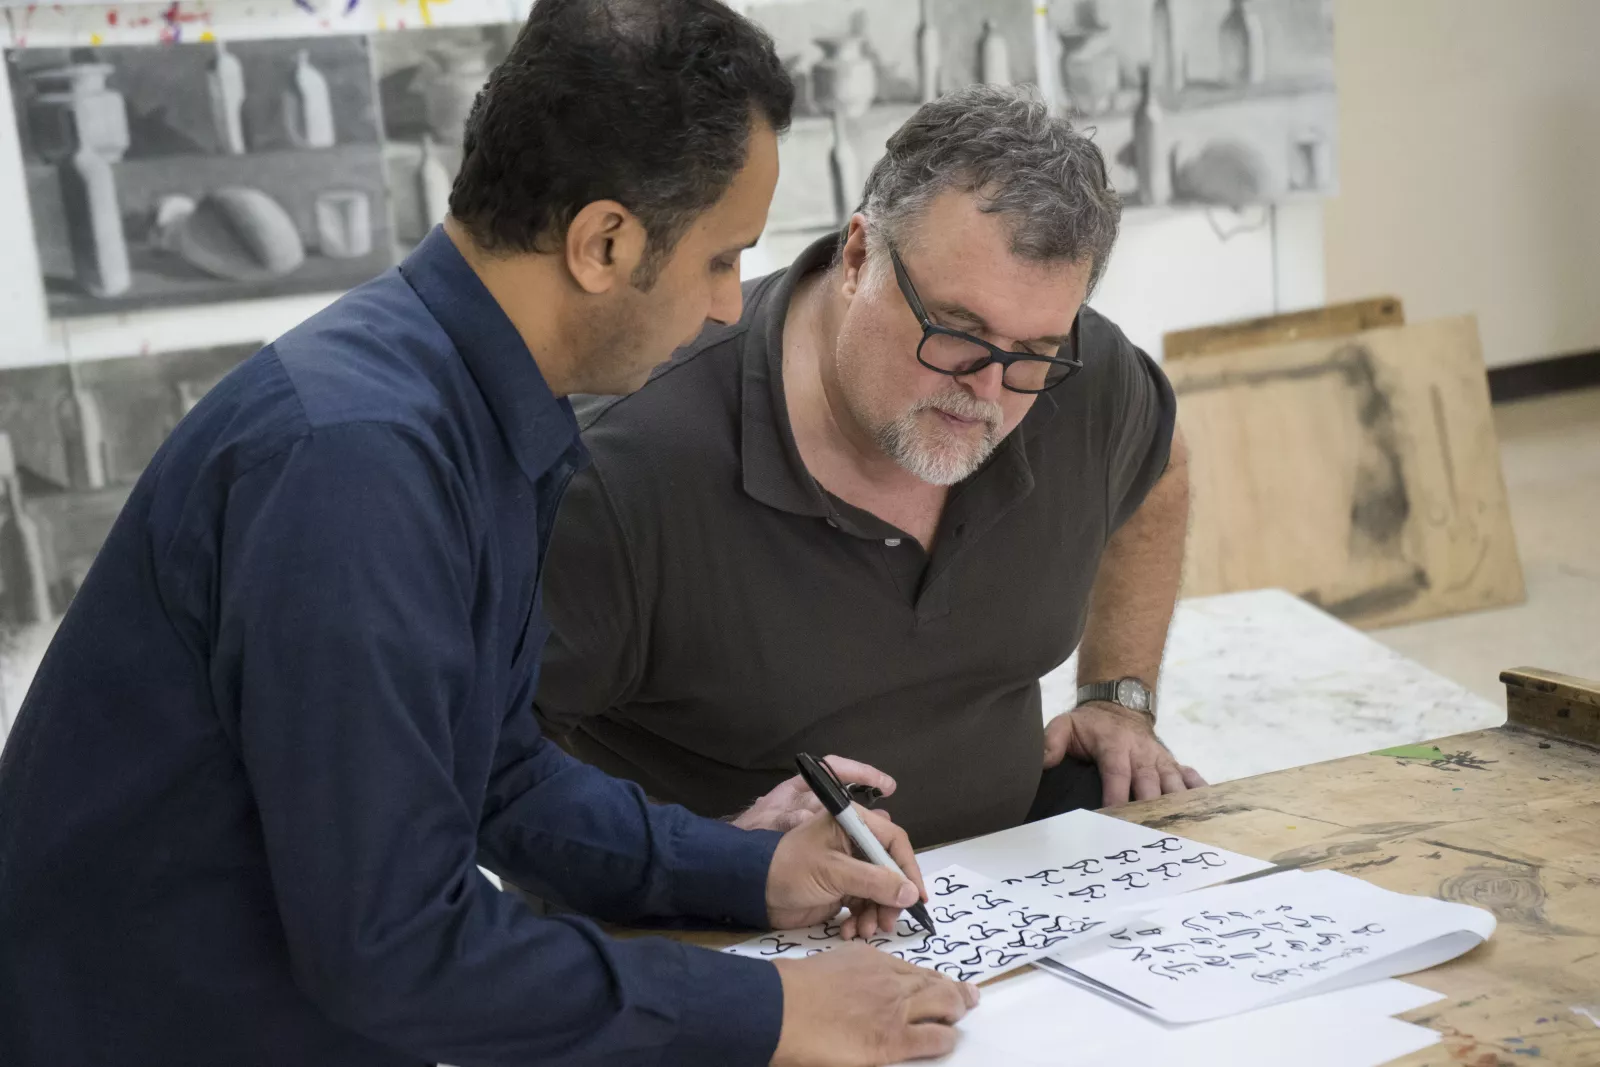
<point>1144,412</point>
<point>594,655</point>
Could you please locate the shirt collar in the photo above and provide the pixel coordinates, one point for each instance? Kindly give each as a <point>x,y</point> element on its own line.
<point>538,427</point>
<point>774,473</point>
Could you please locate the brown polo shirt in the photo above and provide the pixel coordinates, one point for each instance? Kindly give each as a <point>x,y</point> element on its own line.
<point>714,610</point>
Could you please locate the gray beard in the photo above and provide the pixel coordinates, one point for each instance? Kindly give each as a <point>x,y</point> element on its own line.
<point>934,456</point>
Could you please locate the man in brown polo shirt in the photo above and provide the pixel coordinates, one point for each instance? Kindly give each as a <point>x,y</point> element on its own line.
<point>870,515</point>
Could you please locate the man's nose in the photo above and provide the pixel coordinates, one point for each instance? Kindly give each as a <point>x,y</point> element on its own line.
<point>727,300</point>
<point>988,383</point>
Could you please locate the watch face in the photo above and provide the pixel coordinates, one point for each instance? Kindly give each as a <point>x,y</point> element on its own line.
<point>1130,694</point>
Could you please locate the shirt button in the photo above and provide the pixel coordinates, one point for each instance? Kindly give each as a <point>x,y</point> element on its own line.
<point>892,542</point>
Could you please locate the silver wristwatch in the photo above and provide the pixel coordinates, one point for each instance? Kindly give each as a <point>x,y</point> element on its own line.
<point>1128,692</point>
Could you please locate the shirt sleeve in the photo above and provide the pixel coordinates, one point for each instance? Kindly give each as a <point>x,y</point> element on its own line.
<point>595,654</point>
<point>344,654</point>
<point>1143,415</point>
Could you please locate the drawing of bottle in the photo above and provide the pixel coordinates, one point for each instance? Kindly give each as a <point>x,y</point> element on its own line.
<point>1242,46</point>
<point>23,579</point>
<point>845,170</point>
<point>994,56</point>
<point>225,84</point>
<point>83,434</point>
<point>81,126</point>
<point>1163,50</point>
<point>433,185</point>
<point>447,81</point>
<point>1149,150</point>
<point>307,107</point>
<point>928,57</point>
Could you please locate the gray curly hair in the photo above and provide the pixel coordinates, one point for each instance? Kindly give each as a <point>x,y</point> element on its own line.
<point>1047,179</point>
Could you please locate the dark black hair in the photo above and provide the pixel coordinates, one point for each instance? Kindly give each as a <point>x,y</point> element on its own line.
<point>646,102</point>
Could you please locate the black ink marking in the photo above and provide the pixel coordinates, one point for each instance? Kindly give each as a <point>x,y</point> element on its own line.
<point>1093,892</point>
<point>1166,844</point>
<point>1127,855</point>
<point>947,885</point>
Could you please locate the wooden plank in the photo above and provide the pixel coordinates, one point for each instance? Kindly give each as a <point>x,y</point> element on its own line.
<point>1361,473</point>
<point>1335,320</point>
<point>1556,705</point>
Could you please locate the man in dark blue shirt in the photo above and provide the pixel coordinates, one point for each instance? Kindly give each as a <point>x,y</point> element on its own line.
<point>288,713</point>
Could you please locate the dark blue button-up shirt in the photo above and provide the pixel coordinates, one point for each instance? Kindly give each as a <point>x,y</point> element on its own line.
<point>288,714</point>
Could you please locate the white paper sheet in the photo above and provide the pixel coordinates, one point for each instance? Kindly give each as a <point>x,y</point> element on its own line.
<point>1030,1020</point>
<point>1098,862</point>
<point>985,929</point>
<point>1234,948</point>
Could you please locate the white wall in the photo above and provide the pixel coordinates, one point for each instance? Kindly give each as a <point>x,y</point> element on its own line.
<point>1469,166</point>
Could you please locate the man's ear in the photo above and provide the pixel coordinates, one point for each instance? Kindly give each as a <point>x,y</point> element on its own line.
<point>605,243</point>
<point>853,258</point>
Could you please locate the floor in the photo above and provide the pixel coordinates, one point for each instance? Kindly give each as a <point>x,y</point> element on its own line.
<point>1550,453</point>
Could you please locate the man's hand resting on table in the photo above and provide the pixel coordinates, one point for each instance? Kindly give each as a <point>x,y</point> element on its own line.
<point>790,803</point>
<point>855,1006</point>
<point>1123,743</point>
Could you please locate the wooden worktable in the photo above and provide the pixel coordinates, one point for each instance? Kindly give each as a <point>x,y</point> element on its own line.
<point>1507,819</point>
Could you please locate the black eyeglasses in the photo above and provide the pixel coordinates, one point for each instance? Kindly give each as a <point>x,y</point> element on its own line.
<point>955,353</point>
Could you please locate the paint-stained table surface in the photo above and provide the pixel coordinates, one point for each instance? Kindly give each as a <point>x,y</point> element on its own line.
<point>1507,819</point>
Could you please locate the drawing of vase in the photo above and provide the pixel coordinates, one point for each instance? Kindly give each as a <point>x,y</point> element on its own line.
<point>844,169</point>
<point>23,580</point>
<point>81,126</point>
<point>447,81</point>
<point>225,85</point>
<point>433,186</point>
<point>1149,148</point>
<point>846,80</point>
<point>994,56</point>
<point>83,434</point>
<point>927,57</point>
<point>307,106</point>
<point>1242,47</point>
<point>1090,69</point>
<point>1163,50</point>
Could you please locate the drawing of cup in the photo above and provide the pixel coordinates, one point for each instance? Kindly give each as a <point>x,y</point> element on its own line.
<point>344,223</point>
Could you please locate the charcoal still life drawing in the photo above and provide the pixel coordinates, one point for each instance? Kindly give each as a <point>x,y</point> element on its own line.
<point>74,438</point>
<point>1220,103</point>
<point>427,81</point>
<point>184,173</point>
<point>1194,102</point>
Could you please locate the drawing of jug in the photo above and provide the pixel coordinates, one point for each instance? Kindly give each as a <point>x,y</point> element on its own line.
<point>447,82</point>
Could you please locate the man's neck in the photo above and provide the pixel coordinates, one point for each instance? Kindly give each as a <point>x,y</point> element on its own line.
<point>837,450</point>
<point>531,292</point>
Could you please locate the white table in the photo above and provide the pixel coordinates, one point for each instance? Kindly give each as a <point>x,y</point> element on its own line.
<point>1262,681</point>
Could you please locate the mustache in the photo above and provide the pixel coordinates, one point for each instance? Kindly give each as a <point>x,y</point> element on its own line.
<point>963,405</point>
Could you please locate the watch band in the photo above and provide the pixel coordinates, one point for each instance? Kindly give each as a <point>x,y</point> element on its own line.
<point>1128,693</point>
<point>1097,691</point>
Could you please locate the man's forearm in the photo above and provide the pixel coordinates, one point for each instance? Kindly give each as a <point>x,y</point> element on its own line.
<point>1134,593</point>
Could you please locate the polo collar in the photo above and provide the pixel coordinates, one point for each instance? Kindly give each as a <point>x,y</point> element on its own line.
<point>773,471</point>
<point>538,427</point>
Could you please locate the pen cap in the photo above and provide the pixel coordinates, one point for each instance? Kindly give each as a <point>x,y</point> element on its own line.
<point>821,780</point>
